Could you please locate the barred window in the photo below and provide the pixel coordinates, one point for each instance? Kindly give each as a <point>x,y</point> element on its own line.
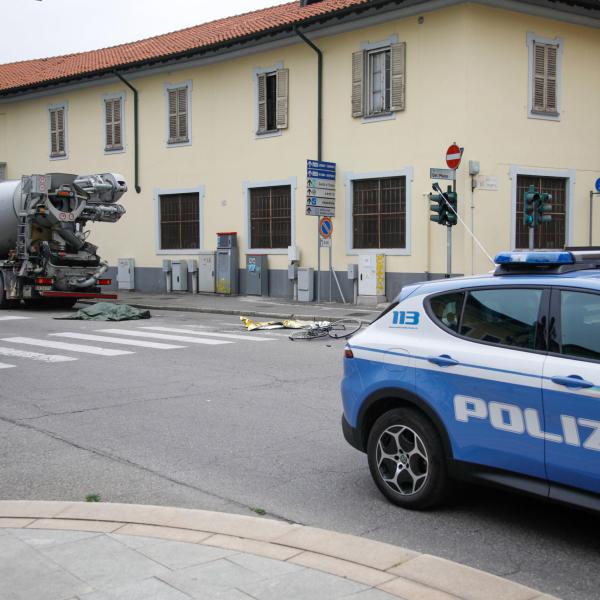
<point>57,132</point>
<point>112,124</point>
<point>548,235</point>
<point>379,213</point>
<point>179,221</point>
<point>271,217</point>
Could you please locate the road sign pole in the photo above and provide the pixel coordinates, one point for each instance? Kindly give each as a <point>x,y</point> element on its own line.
<point>449,252</point>
<point>592,194</point>
<point>318,261</point>
<point>330,272</point>
<point>531,240</point>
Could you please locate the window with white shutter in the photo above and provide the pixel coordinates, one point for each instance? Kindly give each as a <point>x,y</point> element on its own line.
<point>57,132</point>
<point>272,100</point>
<point>113,124</point>
<point>544,84</point>
<point>378,80</point>
<point>178,109</point>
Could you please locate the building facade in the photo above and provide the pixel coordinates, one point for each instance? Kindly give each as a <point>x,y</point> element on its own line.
<point>225,129</point>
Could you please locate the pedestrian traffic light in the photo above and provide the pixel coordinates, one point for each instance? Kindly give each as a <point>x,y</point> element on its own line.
<point>438,208</point>
<point>543,208</point>
<point>530,202</point>
<point>452,210</point>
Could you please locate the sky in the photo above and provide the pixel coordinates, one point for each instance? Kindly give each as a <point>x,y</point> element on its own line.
<point>37,29</point>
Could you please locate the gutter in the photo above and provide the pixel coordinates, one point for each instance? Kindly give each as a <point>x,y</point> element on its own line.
<point>136,161</point>
<point>319,92</point>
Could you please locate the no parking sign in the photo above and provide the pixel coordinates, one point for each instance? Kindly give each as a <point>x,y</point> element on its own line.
<point>325,227</point>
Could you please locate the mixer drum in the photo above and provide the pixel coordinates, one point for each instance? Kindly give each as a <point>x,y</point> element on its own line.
<point>10,205</point>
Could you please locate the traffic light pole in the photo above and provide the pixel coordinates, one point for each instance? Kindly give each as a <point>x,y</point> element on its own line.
<point>449,239</point>
<point>531,240</point>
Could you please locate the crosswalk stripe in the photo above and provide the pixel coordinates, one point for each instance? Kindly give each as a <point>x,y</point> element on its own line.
<point>49,358</point>
<point>231,336</point>
<point>64,346</point>
<point>164,336</point>
<point>114,340</point>
<point>5,366</point>
<point>13,318</point>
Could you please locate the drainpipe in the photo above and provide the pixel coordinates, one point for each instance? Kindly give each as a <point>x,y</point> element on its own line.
<point>319,93</point>
<point>136,167</point>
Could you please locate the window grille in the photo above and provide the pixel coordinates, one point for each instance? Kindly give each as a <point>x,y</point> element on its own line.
<point>179,221</point>
<point>270,217</point>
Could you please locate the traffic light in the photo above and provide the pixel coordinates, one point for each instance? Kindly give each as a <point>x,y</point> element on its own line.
<point>531,201</point>
<point>543,208</point>
<point>438,208</point>
<point>452,211</point>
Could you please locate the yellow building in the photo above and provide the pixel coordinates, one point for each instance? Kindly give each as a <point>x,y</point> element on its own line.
<point>221,119</point>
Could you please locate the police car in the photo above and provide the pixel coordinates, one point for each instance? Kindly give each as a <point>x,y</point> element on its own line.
<point>494,378</point>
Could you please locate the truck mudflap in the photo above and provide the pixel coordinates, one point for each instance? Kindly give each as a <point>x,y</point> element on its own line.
<point>55,294</point>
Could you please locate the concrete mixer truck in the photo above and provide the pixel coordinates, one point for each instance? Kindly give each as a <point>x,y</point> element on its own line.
<point>45,257</point>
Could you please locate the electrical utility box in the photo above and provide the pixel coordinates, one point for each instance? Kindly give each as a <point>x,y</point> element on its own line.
<point>227,263</point>
<point>206,272</point>
<point>371,277</point>
<point>306,280</point>
<point>180,275</point>
<point>126,274</point>
<point>257,275</point>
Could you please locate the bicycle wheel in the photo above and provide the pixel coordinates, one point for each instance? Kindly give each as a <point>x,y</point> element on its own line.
<point>308,334</point>
<point>344,328</point>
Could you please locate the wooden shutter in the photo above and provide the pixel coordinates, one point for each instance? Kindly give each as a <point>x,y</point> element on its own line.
<point>60,123</point>
<point>172,116</point>
<point>117,130</point>
<point>108,104</point>
<point>53,133</point>
<point>281,118</point>
<point>182,110</point>
<point>358,73</point>
<point>545,78</point>
<point>398,76</point>
<point>262,103</point>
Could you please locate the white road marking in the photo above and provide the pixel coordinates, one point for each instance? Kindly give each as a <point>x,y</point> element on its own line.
<point>230,336</point>
<point>49,358</point>
<point>5,366</point>
<point>64,346</point>
<point>13,318</point>
<point>164,336</point>
<point>114,340</point>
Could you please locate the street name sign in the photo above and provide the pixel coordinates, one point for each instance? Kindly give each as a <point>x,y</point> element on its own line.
<point>446,174</point>
<point>320,188</point>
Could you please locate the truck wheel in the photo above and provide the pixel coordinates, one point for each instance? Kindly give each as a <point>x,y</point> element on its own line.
<point>4,302</point>
<point>406,459</point>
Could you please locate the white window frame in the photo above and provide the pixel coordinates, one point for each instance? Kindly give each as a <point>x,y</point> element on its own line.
<point>568,174</point>
<point>158,192</point>
<point>65,106</point>
<point>349,178</point>
<point>558,42</point>
<point>255,73</point>
<point>247,186</point>
<point>116,96</point>
<point>175,86</point>
<point>374,47</point>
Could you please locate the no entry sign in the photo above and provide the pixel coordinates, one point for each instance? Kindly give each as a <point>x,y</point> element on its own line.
<point>453,157</point>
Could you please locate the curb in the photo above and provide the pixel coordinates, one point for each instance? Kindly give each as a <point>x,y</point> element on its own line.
<point>397,571</point>
<point>241,313</point>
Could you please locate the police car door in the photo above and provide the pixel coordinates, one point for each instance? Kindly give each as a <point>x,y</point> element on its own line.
<point>480,367</point>
<point>572,391</point>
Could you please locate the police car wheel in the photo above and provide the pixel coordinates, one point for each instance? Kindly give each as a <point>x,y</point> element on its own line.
<point>406,459</point>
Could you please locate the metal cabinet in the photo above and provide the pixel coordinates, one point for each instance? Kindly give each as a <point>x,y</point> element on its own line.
<point>306,279</point>
<point>180,275</point>
<point>227,263</point>
<point>126,274</point>
<point>206,272</point>
<point>257,275</point>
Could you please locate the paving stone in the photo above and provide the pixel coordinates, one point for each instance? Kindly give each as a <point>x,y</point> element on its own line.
<point>304,585</point>
<point>14,523</point>
<point>72,525</point>
<point>371,594</point>
<point>102,561</point>
<point>125,513</point>
<point>264,566</point>
<point>410,590</point>
<point>148,589</point>
<point>164,533</point>
<point>179,555</point>
<point>222,573</point>
<point>462,581</point>
<point>252,546</point>
<point>32,508</point>
<point>39,538</point>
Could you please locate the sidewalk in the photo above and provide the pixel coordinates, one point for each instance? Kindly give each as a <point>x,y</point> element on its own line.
<point>250,306</point>
<point>97,551</point>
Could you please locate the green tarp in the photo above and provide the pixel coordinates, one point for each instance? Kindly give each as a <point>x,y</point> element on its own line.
<point>106,311</point>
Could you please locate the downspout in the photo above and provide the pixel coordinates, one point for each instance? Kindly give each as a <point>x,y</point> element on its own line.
<point>319,93</point>
<point>136,161</point>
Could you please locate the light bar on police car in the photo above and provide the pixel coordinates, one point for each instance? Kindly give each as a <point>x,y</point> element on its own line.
<point>535,258</point>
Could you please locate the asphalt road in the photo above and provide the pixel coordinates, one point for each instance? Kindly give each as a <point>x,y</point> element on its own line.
<point>241,426</point>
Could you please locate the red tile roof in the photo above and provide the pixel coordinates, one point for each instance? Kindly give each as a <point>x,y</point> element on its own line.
<point>31,73</point>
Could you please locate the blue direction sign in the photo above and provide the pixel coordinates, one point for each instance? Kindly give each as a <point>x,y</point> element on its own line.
<point>320,189</point>
<point>598,184</point>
